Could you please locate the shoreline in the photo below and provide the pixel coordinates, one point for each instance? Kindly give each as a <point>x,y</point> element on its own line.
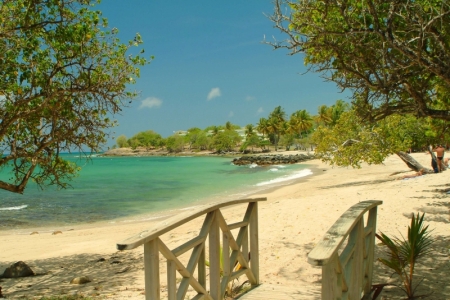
<point>157,216</point>
<point>292,220</point>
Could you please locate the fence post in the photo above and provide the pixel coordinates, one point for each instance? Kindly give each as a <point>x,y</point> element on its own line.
<point>151,266</point>
<point>254,243</point>
<point>214,259</point>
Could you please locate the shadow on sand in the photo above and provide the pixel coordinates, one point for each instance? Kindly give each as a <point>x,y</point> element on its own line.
<point>108,274</point>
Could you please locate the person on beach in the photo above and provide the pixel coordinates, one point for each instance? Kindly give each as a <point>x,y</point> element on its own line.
<point>417,174</point>
<point>440,150</point>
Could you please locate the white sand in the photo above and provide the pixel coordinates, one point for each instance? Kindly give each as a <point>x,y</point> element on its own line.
<point>293,219</point>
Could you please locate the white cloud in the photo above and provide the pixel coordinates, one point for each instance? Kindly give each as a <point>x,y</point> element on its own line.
<point>260,111</point>
<point>214,93</point>
<point>150,102</point>
<point>249,98</point>
<point>231,114</point>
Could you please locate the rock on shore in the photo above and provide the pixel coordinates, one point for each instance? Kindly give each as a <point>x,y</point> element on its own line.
<point>274,159</point>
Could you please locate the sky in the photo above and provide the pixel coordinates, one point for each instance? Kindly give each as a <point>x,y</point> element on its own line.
<point>211,66</point>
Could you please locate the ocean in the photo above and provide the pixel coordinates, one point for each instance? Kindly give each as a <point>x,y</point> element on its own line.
<point>125,189</point>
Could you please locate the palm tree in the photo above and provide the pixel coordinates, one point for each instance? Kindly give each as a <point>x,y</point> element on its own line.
<point>336,111</point>
<point>323,116</point>
<point>276,119</point>
<point>262,126</point>
<point>249,130</point>
<point>302,120</point>
<point>278,113</point>
<point>275,127</point>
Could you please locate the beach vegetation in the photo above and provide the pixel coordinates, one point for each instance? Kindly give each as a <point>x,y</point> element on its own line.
<point>147,139</point>
<point>353,141</point>
<point>175,143</point>
<point>225,141</point>
<point>392,56</point>
<point>122,141</point>
<point>252,141</point>
<point>275,124</point>
<point>263,127</point>
<point>64,75</point>
<point>301,122</point>
<point>231,126</point>
<point>213,129</point>
<point>403,254</point>
<point>197,139</point>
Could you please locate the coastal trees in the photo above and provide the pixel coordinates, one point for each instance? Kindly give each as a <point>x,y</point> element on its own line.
<point>353,140</point>
<point>121,141</point>
<point>225,140</point>
<point>175,143</point>
<point>302,121</point>
<point>263,126</point>
<point>393,56</point>
<point>62,78</point>
<point>148,139</point>
<point>275,123</point>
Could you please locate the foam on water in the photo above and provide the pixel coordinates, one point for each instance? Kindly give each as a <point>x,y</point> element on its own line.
<point>14,207</point>
<point>296,175</point>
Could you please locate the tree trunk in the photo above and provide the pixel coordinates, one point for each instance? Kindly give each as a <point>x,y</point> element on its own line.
<point>412,163</point>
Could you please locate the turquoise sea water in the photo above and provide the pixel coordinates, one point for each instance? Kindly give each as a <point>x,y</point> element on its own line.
<point>136,188</point>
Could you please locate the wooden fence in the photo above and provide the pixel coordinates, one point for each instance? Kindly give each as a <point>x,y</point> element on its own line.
<point>346,253</point>
<point>245,243</point>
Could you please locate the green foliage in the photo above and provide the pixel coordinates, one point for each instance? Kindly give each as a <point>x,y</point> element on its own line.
<point>197,139</point>
<point>121,141</point>
<point>353,141</point>
<point>287,141</point>
<point>301,122</point>
<point>404,254</point>
<point>63,76</point>
<point>251,141</point>
<point>148,139</point>
<point>175,143</point>
<point>215,129</point>
<point>226,140</point>
<point>367,47</point>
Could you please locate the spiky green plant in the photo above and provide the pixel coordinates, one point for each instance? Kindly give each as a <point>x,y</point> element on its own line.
<point>404,253</point>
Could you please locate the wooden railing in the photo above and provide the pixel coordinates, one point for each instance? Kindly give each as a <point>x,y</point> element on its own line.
<point>347,267</point>
<point>245,243</point>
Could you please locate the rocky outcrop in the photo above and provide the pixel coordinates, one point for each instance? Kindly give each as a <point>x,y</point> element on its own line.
<point>274,159</point>
<point>18,269</point>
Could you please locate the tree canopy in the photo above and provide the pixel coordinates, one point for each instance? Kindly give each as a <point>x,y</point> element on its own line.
<point>353,141</point>
<point>63,76</point>
<point>393,55</point>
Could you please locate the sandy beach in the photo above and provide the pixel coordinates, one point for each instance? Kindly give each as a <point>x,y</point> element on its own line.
<point>291,222</point>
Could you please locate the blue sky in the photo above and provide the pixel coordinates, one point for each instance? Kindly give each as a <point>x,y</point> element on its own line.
<point>210,65</point>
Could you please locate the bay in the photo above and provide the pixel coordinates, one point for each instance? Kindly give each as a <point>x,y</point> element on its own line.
<point>136,188</point>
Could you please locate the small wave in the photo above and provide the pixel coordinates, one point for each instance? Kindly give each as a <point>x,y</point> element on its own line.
<point>273,170</point>
<point>253,166</point>
<point>14,207</point>
<point>300,174</point>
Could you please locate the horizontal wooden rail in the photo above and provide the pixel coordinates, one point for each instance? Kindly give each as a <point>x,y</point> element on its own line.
<point>209,237</point>
<point>347,272</point>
